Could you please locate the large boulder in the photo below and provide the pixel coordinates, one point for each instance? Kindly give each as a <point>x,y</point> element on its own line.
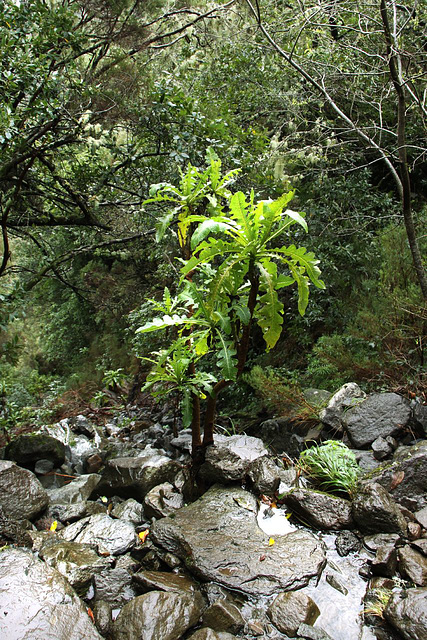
<point>406,477</point>
<point>21,494</point>
<point>37,602</point>
<point>321,510</point>
<point>381,414</point>
<point>158,616</point>
<point>135,477</point>
<point>26,450</point>
<point>230,458</point>
<point>407,612</point>
<point>375,511</point>
<point>413,565</point>
<point>110,536</point>
<point>219,540</point>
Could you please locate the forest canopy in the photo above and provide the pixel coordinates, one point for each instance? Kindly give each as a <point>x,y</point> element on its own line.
<point>102,99</point>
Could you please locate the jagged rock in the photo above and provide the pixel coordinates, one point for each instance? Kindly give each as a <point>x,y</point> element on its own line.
<point>420,545</point>
<point>43,466</point>
<point>68,513</point>
<point>210,634</point>
<point>102,612</point>
<point>76,562</point>
<point>75,491</point>
<point>93,463</point>
<point>158,616</point>
<point>375,511</point>
<point>129,510</point>
<point>421,517</point>
<point>346,397</point>
<point>135,477</point>
<point>346,542</point>
<point>378,540</point>
<point>406,477</point>
<point>14,531</point>
<point>162,500</point>
<point>366,460</point>
<point>114,586</point>
<point>321,510</point>
<point>335,583</point>
<point>289,610</point>
<point>229,459</point>
<point>38,603</point>
<point>162,581</point>
<point>223,616</point>
<point>223,519</point>
<point>385,561</point>
<point>413,565</point>
<point>21,494</point>
<point>381,414</point>
<point>381,448</point>
<point>112,536</point>
<point>264,475</point>
<point>407,612</point>
<point>26,450</point>
<point>282,435</point>
<point>80,424</point>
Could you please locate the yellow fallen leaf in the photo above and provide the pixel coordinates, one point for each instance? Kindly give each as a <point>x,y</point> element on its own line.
<point>143,535</point>
<point>271,542</point>
<point>53,525</point>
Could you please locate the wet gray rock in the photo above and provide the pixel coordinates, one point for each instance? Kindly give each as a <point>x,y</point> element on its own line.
<point>229,459</point>
<point>345,398</point>
<point>135,477</point>
<point>321,510</point>
<point>114,586</point>
<point>80,424</point>
<point>378,540</point>
<point>76,562</point>
<point>21,494</point>
<point>407,612</point>
<point>68,513</point>
<point>381,448</point>
<point>130,510</point>
<point>336,584</point>
<point>312,633</point>
<point>77,490</point>
<point>37,603</point>
<point>223,616</point>
<point>420,545</point>
<point>43,466</point>
<point>163,500</point>
<point>346,542</point>
<point>366,460</point>
<point>158,616</point>
<point>264,475</point>
<point>210,634</point>
<point>420,416</point>
<point>26,450</point>
<point>375,511</point>
<point>102,612</point>
<point>381,414</point>
<point>14,531</point>
<point>218,539</point>
<point>112,536</point>
<point>282,436</point>
<point>413,565</point>
<point>162,581</point>
<point>289,610</point>
<point>385,561</point>
<point>406,478</point>
<point>421,517</point>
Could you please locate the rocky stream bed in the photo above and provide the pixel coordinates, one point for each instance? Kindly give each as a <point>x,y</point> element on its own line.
<point>261,554</point>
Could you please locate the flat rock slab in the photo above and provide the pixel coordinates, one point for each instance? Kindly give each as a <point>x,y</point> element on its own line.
<point>37,603</point>
<point>112,536</point>
<point>219,540</point>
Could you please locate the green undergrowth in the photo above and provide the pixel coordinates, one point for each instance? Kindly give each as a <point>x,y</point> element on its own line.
<point>332,466</point>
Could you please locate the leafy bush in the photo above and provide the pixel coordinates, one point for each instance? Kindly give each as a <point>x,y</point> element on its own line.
<point>332,466</point>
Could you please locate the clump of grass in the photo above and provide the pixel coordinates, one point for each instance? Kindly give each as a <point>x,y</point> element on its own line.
<point>378,603</point>
<point>332,466</point>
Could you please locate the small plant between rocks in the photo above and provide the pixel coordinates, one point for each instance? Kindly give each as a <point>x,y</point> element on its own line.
<point>332,466</point>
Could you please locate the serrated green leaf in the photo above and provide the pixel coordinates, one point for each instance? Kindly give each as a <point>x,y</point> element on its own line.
<point>226,360</point>
<point>270,311</point>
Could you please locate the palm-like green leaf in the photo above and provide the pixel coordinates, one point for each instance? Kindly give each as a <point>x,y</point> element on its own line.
<point>270,311</point>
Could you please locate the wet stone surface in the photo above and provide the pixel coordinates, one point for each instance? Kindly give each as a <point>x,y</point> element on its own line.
<point>218,539</point>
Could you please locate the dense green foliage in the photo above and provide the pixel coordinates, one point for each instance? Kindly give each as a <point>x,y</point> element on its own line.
<point>101,99</point>
<point>332,466</point>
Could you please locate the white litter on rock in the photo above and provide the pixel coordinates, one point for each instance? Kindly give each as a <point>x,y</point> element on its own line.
<point>273,521</point>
